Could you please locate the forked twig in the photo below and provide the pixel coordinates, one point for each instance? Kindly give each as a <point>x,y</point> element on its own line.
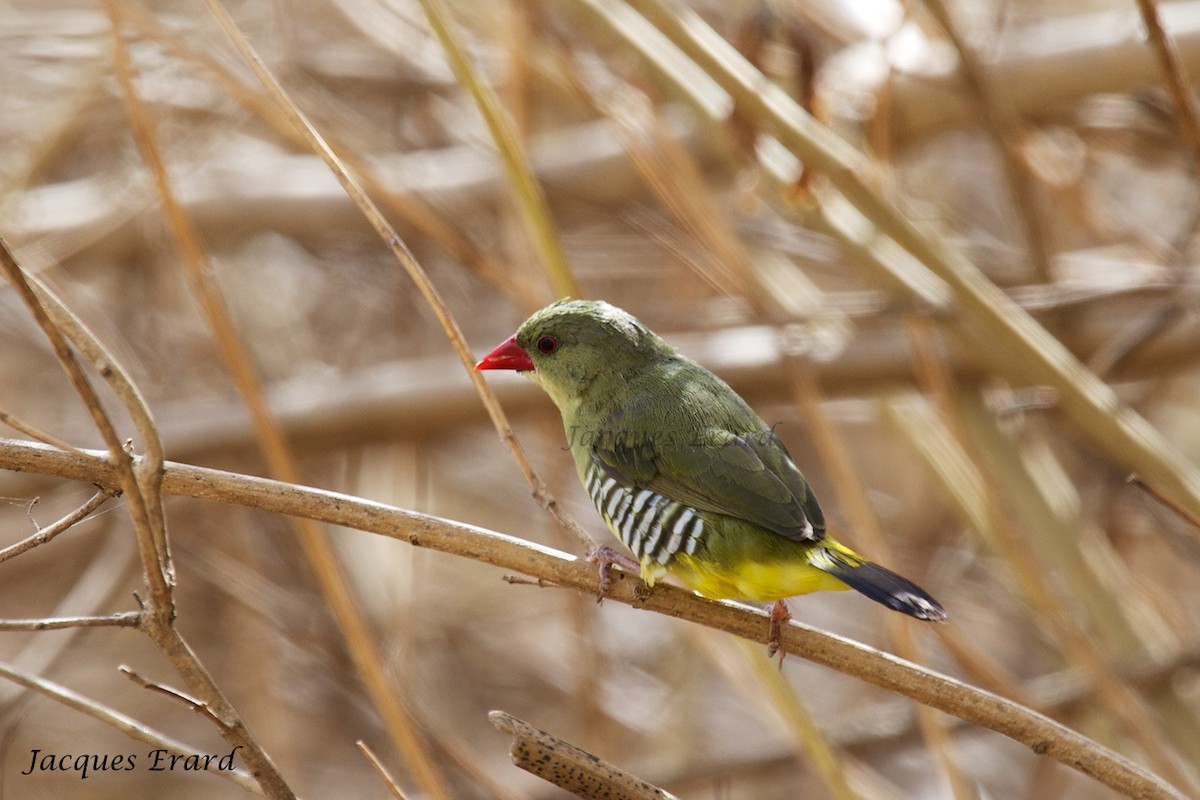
<point>50,531</point>
<point>155,558</point>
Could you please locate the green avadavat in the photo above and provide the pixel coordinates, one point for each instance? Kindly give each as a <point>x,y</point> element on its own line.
<point>681,468</point>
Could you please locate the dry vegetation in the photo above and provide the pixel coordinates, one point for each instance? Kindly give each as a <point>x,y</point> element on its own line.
<point>971,314</point>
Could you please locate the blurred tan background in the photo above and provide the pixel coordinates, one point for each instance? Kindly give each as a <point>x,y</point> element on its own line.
<point>1089,222</point>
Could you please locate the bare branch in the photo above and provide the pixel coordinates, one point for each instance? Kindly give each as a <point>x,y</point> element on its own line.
<point>568,767</point>
<point>125,619</point>
<point>1043,735</point>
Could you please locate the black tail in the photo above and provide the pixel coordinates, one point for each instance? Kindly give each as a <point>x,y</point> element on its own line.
<point>881,585</point>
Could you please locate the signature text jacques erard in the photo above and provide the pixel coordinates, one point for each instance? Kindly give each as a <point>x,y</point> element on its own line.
<point>157,760</point>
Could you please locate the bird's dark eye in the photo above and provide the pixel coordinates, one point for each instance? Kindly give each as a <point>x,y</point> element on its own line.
<point>547,345</point>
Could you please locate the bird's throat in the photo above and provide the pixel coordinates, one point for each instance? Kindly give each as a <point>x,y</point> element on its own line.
<point>568,403</point>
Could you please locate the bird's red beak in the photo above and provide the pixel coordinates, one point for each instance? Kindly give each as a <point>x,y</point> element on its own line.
<point>508,355</point>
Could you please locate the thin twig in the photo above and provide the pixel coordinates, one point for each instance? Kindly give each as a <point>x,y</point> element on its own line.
<point>1166,501</point>
<point>667,170</point>
<point>108,367</point>
<point>1036,731</point>
<point>381,770</point>
<point>199,706</point>
<point>125,619</point>
<point>27,429</point>
<point>50,531</point>
<point>1187,113</point>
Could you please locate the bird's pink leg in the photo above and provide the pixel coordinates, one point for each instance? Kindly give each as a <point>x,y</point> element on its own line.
<point>605,557</point>
<point>779,615</point>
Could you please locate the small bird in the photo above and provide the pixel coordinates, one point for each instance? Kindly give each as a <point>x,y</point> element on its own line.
<point>683,471</point>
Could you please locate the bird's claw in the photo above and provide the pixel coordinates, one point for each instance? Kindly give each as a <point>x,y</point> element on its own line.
<point>779,615</point>
<point>604,558</point>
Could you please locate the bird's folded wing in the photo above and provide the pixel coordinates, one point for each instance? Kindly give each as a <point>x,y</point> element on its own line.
<point>750,477</point>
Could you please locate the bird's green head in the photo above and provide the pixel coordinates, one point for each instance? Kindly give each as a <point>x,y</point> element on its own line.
<point>573,346</point>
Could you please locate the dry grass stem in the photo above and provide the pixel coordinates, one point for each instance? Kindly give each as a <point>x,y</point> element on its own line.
<point>410,264</point>
<point>1140,332</point>
<point>1150,490</point>
<point>412,209</point>
<point>1021,347</point>
<point>983,508</point>
<point>787,702</point>
<point>380,770</point>
<point>360,640</point>
<point>864,523</point>
<point>1002,122</point>
<point>1187,113</point>
<point>528,195</point>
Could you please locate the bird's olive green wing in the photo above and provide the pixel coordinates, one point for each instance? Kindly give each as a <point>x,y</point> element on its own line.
<point>747,476</point>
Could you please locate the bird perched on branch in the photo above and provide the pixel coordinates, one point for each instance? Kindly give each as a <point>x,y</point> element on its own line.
<point>683,471</point>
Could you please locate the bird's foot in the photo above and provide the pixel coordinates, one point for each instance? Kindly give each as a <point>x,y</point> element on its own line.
<point>779,615</point>
<point>605,557</point>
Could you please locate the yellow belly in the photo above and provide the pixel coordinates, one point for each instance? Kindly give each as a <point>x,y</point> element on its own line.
<point>751,580</point>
